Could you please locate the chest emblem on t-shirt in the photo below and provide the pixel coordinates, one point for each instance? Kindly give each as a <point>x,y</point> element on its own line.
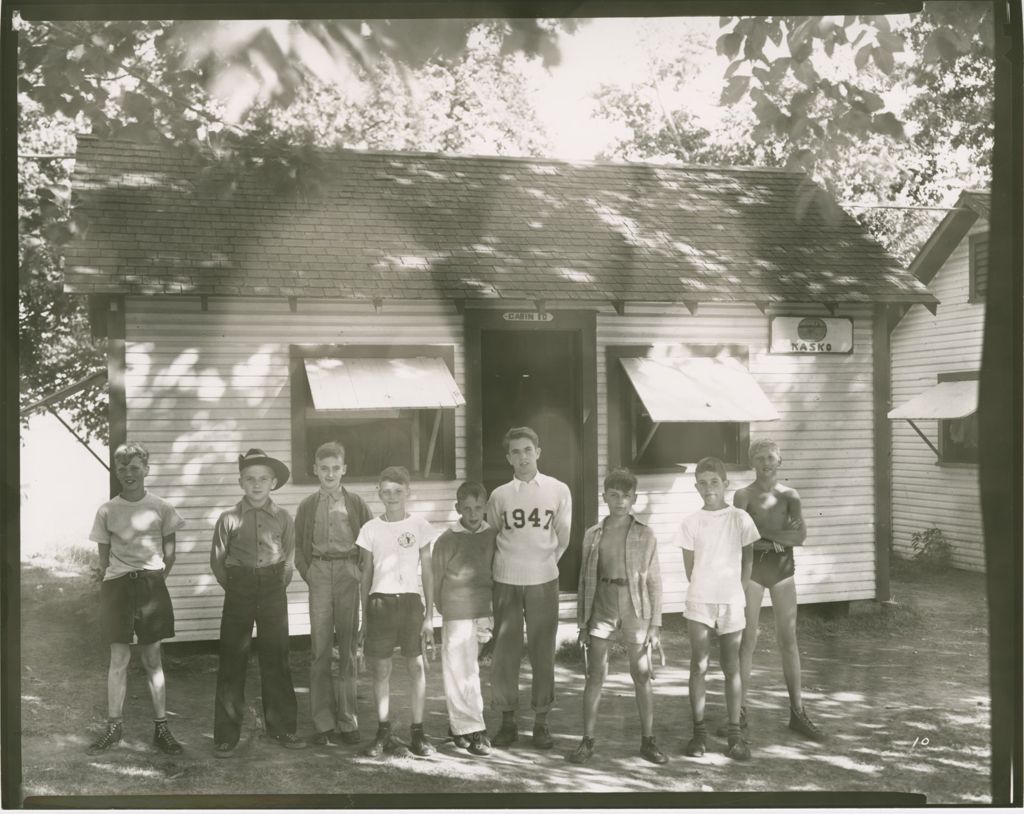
<point>407,539</point>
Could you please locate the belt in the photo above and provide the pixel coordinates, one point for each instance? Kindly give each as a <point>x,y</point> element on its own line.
<point>348,555</point>
<point>615,580</point>
<point>252,569</point>
<point>143,573</point>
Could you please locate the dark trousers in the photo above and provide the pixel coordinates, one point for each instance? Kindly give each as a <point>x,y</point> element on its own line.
<point>538,606</point>
<point>254,595</point>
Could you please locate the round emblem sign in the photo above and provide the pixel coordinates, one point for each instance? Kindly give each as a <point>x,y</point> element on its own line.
<point>811,329</point>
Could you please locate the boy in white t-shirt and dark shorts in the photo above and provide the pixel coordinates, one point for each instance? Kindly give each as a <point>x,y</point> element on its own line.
<point>395,614</point>
<point>135,532</point>
<point>717,557</point>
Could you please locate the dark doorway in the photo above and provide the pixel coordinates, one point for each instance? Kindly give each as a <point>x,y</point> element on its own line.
<point>533,378</point>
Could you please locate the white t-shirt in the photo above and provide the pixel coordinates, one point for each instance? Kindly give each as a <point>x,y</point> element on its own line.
<point>135,531</point>
<point>395,547</point>
<point>717,539</point>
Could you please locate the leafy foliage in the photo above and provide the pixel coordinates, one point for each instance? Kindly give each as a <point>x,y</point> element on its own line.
<point>880,110</point>
<point>263,95</point>
<point>931,548</point>
<point>56,347</point>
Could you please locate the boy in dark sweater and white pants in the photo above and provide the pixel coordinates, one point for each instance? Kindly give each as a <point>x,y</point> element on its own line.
<point>462,560</point>
<point>533,514</point>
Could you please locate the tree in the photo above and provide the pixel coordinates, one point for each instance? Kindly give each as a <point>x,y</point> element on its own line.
<point>892,110</point>
<point>436,85</point>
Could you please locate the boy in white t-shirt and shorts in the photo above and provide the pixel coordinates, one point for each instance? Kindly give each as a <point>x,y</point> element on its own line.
<point>395,614</point>
<point>717,557</point>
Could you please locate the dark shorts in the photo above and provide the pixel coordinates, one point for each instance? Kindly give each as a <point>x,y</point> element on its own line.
<point>770,567</point>
<point>136,605</point>
<point>394,620</point>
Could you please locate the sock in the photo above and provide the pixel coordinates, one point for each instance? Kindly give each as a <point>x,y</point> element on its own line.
<point>159,721</point>
<point>383,727</point>
<point>699,729</point>
<point>508,717</point>
<point>114,721</point>
<point>734,732</point>
<point>540,719</point>
<point>416,728</point>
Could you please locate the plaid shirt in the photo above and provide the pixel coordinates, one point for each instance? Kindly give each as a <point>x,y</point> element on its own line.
<point>643,572</point>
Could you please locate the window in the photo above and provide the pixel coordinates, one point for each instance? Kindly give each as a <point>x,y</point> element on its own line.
<point>656,423</point>
<point>978,248</point>
<point>388,405</point>
<point>958,437</point>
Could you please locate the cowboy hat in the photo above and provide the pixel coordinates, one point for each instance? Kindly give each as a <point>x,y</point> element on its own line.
<point>257,456</point>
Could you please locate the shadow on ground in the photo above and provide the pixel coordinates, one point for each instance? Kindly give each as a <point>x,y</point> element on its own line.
<point>902,693</point>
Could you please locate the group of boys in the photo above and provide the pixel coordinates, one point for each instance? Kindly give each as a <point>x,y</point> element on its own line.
<point>491,575</point>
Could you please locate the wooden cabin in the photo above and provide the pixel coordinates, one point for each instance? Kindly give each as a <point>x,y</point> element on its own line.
<point>936,362</point>
<point>415,306</point>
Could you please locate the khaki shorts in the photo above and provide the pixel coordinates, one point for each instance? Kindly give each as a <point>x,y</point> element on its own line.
<point>613,612</point>
<point>725,617</point>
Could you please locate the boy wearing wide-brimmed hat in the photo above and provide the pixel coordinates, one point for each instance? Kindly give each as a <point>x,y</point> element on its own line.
<point>252,558</point>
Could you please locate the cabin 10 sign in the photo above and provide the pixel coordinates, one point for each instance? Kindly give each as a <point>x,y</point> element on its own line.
<point>810,335</point>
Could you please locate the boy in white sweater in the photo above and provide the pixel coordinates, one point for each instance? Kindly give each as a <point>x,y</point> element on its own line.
<point>533,514</point>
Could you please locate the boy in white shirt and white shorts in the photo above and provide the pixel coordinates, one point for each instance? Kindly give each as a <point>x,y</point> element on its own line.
<point>717,557</point>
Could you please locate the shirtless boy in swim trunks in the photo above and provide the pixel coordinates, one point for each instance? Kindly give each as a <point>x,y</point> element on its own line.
<point>776,511</point>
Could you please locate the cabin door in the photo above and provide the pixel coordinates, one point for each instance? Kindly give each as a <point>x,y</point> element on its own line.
<point>535,377</point>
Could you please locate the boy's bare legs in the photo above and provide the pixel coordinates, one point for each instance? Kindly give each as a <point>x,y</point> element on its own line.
<point>381,669</point>
<point>155,678</point>
<point>117,688</point>
<point>117,680</point>
<point>597,672</point>
<point>748,644</point>
<point>698,633</point>
<point>784,609</point>
<point>729,656</point>
<point>384,741</point>
<point>640,672</point>
<point>162,737</point>
<point>596,676</point>
<point>418,683</point>
<point>784,603</point>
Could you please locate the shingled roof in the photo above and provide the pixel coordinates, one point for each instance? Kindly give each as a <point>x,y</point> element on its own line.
<point>417,226</point>
<point>971,205</point>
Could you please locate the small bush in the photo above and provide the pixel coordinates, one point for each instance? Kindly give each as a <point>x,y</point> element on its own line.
<point>570,652</point>
<point>931,549</point>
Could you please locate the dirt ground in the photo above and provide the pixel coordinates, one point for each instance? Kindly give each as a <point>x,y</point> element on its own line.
<point>901,691</point>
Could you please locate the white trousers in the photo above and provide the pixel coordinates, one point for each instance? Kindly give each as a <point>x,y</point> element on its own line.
<point>460,648</point>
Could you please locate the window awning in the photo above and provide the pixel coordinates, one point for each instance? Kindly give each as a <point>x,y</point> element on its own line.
<point>943,401</point>
<point>418,383</point>
<point>698,389</point>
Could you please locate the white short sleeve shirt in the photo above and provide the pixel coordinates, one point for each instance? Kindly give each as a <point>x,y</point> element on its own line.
<point>717,539</point>
<point>395,547</point>
<point>134,530</point>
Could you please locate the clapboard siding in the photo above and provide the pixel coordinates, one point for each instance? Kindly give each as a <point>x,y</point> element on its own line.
<point>924,492</point>
<point>202,386</point>
<point>825,430</point>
